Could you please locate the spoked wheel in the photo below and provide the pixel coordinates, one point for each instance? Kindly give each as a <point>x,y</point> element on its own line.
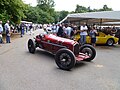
<point>88,50</point>
<point>65,59</point>
<point>31,46</point>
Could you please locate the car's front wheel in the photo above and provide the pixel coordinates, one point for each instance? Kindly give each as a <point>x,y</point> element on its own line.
<point>65,59</point>
<point>88,50</point>
<point>31,46</point>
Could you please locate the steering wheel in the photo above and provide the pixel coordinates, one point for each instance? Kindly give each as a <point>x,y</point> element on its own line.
<point>41,35</point>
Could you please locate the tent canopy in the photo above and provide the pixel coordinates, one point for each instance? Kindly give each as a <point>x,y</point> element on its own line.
<point>93,17</point>
<point>111,23</point>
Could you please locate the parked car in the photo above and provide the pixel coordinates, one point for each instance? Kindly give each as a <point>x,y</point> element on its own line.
<point>67,52</point>
<point>117,34</point>
<point>101,38</point>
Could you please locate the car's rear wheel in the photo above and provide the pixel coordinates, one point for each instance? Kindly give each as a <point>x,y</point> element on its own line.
<point>65,59</point>
<point>110,42</point>
<point>31,46</point>
<point>88,50</point>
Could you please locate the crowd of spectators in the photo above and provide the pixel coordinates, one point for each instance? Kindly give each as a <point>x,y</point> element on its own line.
<point>69,31</point>
<point>8,29</point>
<point>109,30</point>
<point>61,30</point>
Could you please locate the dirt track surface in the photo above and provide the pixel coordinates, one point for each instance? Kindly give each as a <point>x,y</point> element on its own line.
<point>20,70</point>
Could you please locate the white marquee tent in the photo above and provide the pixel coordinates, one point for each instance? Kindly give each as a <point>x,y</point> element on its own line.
<point>93,17</point>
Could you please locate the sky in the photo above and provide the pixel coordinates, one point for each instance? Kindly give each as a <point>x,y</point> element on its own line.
<point>70,5</point>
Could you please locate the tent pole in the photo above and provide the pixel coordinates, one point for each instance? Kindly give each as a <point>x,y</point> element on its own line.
<point>79,24</point>
<point>68,21</point>
<point>100,23</point>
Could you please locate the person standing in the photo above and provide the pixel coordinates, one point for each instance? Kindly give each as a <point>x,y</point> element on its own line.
<point>67,31</point>
<point>73,29</point>
<point>113,31</point>
<point>22,29</point>
<point>92,34</point>
<point>7,30</point>
<point>1,31</point>
<point>83,33</point>
<point>31,27</point>
<point>54,28</point>
<point>27,28</point>
<point>18,28</point>
<point>60,31</point>
<point>57,27</point>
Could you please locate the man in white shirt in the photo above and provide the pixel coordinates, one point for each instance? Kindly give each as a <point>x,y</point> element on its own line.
<point>49,29</point>
<point>7,30</point>
<point>53,28</point>
<point>1,30</point>
<point>83,34</point>
<point>67,31</point>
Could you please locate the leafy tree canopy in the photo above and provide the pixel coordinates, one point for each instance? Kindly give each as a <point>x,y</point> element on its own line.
<point>12,10</point>
<point>82,9</point>
<point>49,3</point>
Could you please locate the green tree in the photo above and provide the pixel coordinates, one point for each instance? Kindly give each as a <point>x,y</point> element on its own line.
<point>45,5</point>
<point>62,15</point>
<point>89,9</point>
<point>38,15</point>
<point>105,8</point>
<point>13,9</point>
<point>46,11</point>
<point>49,3</point>
<point>80,9</point>
<point>4,16</point>
<point>31,14</point>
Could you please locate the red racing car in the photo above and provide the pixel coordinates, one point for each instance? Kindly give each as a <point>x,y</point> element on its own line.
<point>67,52</point>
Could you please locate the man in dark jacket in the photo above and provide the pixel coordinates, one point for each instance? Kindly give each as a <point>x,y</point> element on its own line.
<point>60,31</point>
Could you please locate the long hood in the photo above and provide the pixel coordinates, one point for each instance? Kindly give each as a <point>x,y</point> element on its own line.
<point>59,39</point>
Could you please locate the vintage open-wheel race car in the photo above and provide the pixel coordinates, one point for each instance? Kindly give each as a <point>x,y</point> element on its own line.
<point>67,52</point>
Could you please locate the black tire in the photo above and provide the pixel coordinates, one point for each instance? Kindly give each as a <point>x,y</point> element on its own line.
<point>65,59</point>
<point>31,46</point>
<point>89,50</point>
<point>110,42</point>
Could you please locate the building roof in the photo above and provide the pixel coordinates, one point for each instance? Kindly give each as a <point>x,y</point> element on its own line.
<point>95,17</point>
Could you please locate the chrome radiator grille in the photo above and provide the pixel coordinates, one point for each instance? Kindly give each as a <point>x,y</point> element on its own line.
<point>76,49</point>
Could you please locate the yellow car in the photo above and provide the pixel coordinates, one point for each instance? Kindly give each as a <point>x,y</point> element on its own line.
<point>101,38</point>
